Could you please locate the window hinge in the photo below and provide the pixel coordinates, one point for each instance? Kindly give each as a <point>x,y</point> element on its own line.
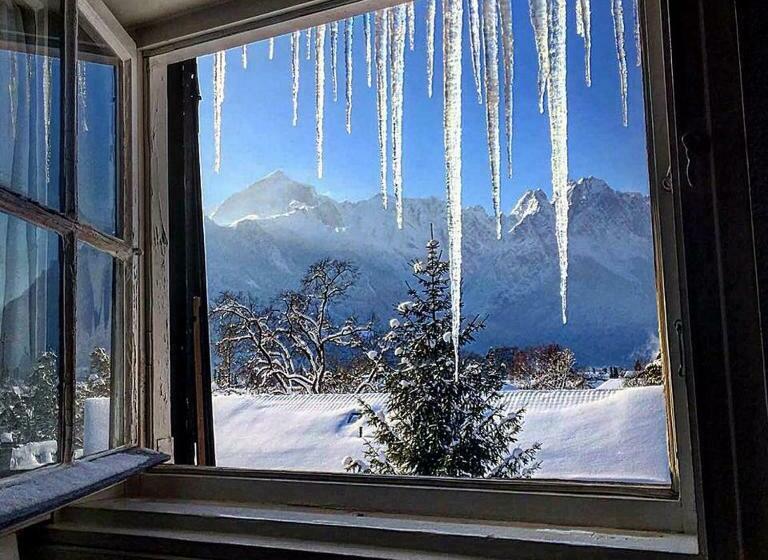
<point>682,369</point>
<point>666,182</point>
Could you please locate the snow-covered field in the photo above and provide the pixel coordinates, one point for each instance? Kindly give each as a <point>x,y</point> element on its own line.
<point>590,435</point>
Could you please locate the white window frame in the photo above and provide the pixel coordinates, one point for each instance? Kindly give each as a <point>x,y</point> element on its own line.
<point>549,502</point>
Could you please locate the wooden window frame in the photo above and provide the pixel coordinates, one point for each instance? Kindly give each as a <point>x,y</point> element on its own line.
<point>72,231</point>
<point>621,507</point>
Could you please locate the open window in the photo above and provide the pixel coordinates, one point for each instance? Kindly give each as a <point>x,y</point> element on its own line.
<point>586,349</point>
<point>68,264</point>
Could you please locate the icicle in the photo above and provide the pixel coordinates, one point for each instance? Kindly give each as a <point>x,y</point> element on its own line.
<point>452,32</point>
<point>348,30</point>
<point>508,53</point>
<point>540,23</point>
<point>617,10</point>
<point>368,48</point>
<point>584,30</point>
<point>244,57</point>
<point>474,45</point>
<point>491,80</point>
<point>309,43</point>
<point>411,7</point>
<point>430,44</point>
<point>319,95</point>
<point>638,45</point>
<point>557,107</point>
<point>13,91</point>
<point>382,48</point>
<point>398,15</point>
<point>334,48</point>
<point>271,48</point>
<point>295,66</point>
<point>219,71</point>
<point>47,64</point>
<point>82,95</point>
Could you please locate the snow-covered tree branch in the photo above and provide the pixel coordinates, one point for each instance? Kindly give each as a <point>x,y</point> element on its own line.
<point>289,345</point>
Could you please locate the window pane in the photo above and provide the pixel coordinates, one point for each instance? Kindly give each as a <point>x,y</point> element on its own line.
<point>333,334</point>
<point>29,100</point>
<point>30,296</point>
<point>98,371</point>
<point>98,139</point>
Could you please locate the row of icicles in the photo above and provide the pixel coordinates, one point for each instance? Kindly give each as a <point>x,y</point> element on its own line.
<point>490,36</point>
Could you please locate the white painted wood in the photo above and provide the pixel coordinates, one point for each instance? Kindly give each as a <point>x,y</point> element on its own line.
<point>106,24</point>
<point>157,297</point>
<point>212,522</point>
<point>223,27</point>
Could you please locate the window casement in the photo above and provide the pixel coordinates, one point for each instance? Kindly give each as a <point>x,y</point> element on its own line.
<point>623,507</point>
<point>69,184</point>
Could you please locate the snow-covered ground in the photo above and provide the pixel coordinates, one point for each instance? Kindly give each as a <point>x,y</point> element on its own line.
<point>606,435</point>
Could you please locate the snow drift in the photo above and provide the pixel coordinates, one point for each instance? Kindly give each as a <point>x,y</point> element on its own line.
<point>586,435</point>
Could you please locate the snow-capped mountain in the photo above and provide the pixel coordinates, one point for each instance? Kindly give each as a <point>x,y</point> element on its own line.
<point>262,239</point>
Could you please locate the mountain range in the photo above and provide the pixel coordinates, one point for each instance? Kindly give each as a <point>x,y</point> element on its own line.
<point>261,240</point>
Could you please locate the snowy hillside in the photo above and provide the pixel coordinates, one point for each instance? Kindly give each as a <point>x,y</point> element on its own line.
<point>261,240</point>
<point>616,436</point>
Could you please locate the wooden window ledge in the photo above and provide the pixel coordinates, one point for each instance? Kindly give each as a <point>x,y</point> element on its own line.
<point>27,496</point>
<point>144,527</point>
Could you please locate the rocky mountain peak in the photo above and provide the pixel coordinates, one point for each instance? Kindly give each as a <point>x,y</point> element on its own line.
<point>279,227</point>
<point>273,195</point>
<point>534,202</point>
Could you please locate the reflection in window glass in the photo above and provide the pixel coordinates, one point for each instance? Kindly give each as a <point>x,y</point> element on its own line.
<point>97,359</point>
<point>29,344</point>
<point>332,305</point>
<point>29,100</point>
<point>97,159</point>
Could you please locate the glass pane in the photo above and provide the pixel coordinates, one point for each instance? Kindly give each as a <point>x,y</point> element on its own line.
<point>97,141</point>
<point>332,329</point>
<point>97,369</point>
<point>29,100</point>
<point>30,296</point>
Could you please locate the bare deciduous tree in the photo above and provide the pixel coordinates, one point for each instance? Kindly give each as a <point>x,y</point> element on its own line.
<point>287,346</point>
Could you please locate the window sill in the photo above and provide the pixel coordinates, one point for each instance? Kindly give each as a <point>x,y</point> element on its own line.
<point>218,530</point>
<point>29,495</point>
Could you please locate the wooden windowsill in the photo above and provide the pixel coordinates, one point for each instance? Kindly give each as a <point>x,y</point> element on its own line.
<point>212,529</point>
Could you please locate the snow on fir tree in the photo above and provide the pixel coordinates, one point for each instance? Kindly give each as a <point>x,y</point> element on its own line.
<point>436,424</point>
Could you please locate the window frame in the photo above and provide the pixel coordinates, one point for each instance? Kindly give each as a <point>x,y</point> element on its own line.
<point>72,231</point>
<point>555,502</point>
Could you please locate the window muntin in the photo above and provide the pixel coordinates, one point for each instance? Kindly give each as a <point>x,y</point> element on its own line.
<point>299,144</point>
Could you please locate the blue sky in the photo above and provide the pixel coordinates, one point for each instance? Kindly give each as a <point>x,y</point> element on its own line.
<point>257,136</point>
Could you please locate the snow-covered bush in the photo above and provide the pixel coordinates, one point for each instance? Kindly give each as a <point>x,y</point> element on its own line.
<point>442,418</point>
<point>544,367</point>
<point>651,374</point>
<point>29,408</point>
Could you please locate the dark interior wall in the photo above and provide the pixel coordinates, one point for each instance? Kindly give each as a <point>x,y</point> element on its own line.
<point>752,16</point>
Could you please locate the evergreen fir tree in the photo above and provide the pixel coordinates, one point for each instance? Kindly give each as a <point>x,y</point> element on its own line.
<point>40,401</point>
<point>436,425</point>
